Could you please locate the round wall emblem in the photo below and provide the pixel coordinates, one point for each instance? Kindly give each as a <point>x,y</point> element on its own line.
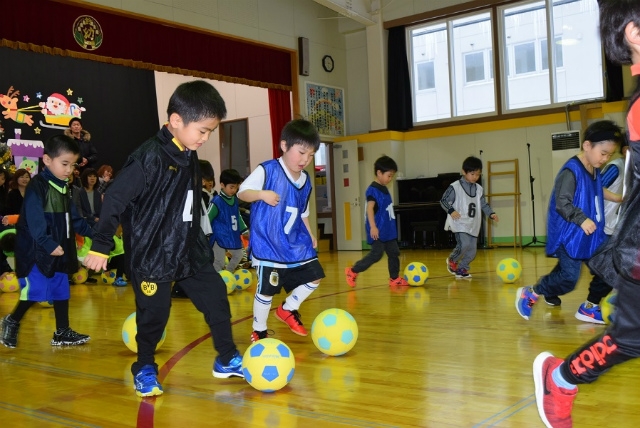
<point>87,32</point>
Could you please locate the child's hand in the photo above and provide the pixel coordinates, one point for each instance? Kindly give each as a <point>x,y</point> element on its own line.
<point>58,251</point>
<point>494,217</point>
<point>588,226</point>
<point>270,197</point>
<point>375,233</point>
<point>314,241</point>
<point>455,215</point>
<point>95,262</point>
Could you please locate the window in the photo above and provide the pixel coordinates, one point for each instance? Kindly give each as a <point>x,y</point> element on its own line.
<point>454,58</point>
<point>426,76</point>
<point>524,56</point>
<point>474,67</point>
<point>544,53</point>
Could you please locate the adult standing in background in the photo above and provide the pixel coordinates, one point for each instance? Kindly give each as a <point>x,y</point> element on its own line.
<point>88,152</point>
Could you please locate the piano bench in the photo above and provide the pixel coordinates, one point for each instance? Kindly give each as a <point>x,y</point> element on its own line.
<point>426,227</point>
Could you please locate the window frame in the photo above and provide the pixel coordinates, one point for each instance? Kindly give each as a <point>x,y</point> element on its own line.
<point>495,67</point>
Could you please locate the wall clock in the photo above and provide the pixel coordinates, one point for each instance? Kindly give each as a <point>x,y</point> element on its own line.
<point>327,63</point>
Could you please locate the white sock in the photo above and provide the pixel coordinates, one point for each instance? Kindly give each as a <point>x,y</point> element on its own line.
<point>299,295</point>
<point>261,308</point>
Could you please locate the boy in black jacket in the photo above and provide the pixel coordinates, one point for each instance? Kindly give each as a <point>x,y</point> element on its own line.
<point>157,199</point>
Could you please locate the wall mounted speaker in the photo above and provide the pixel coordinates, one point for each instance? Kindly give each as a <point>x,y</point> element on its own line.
<point>303,56</point>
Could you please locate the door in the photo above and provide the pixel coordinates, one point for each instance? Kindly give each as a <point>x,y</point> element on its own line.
<point>349,211</point>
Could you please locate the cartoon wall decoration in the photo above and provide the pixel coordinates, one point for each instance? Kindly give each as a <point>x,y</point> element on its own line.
<point>58,111</point>
<point>40,93</point>
<point>55,112</point>
<point>26,153</point>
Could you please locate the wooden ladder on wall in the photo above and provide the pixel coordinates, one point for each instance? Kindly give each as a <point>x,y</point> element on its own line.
<point>503,182</point>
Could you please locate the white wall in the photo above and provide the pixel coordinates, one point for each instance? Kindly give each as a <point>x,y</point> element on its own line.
<point>243,102</point>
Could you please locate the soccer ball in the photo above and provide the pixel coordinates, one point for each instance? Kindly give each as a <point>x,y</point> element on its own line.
<point>229,280</point>
<point>10,283</point>
<point>108,276</point>
<point>416,273</point>
<point>268,365</point>
<point>509,270</point>
<point>608,307</point>
<point>80,276</point>
<point>334,331</point>
<point>243,278</point>
<point>129,331</point>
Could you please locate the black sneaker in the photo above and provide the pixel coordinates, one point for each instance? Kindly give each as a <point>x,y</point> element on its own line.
<point>69,337</point>
<point>553,300</point>
<point>9,329</point>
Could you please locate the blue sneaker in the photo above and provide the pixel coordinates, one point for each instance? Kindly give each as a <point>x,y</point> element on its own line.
<point>588,312</point>
<point>525,299</point>
<point>234,368</point>
<point>146,382</point>
<point>119,282</point>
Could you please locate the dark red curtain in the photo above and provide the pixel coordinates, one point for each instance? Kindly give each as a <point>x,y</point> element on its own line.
<point>280,112</point>
<point>47,23</point>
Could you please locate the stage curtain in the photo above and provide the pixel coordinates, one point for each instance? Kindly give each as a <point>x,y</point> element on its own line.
<point>399,108</point>
<point>280,114</point>
<point>45,26</point>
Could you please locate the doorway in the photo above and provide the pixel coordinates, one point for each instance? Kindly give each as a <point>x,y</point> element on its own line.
<point>325,201</point>
<point>234,146</point>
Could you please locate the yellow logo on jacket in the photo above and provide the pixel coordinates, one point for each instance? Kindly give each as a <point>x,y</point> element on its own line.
<point>149,288</point>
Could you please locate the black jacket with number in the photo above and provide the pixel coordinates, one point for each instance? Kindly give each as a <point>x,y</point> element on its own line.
<point>156,198</point>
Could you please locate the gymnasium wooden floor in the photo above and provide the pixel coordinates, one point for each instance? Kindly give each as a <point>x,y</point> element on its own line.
<point>453,353</point>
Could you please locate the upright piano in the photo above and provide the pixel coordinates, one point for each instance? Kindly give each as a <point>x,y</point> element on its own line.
<point>419,202</point>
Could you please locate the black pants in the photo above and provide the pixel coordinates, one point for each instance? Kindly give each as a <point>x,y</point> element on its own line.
<point>377,249</point>
<point>620,342</point>
<point>207,291</point>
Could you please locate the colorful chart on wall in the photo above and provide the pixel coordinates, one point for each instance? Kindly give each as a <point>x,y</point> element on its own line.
<point>325,108</point>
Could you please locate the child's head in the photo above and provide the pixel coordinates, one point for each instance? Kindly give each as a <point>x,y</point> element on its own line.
<point>601,140</point>
<point>208,176</point>
<point>619,29</point>
<point>385,168</point>
<point>61,155</point>
<point>230,180</point>
<point>472,169</point>
<point>299,141</point>
<point>89,178</point>
<point>195,111</point>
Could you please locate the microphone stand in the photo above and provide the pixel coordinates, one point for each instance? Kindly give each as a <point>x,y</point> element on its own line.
<point>534,238</point>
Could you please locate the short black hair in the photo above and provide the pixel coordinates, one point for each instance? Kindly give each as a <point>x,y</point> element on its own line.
<point>196,100</point>
<point>59,145</point>
<point>602,131</point>
<point>471,164</point>
<point>384,164</point>
<point>206,170</point>
<point>300,131</point>
<point>615,15</point>
<point>230,176</point>
<point>75,119</point>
